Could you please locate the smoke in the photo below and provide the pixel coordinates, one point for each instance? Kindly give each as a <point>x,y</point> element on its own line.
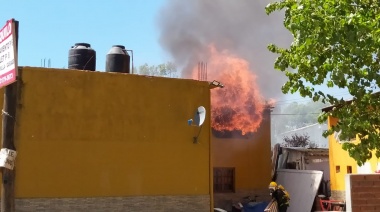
<point>242,27</point>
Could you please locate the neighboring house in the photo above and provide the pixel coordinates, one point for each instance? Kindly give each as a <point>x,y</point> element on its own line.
<point>96,141</point>
<point>301,158</point>
<point>242,165</point>
<point>314,132</point>
<point>341,163</point>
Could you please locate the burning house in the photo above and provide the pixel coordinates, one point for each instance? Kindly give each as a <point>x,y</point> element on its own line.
<point>120,164</point>
<point>231,37</point>
<point>240,122</point>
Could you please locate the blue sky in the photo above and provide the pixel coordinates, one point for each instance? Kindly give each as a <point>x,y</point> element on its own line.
<point>49,28</point>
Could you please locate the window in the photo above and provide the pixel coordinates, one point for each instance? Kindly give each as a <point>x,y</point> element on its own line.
<point>337,169</point>
<point>349,169</point>
<point>224,180</point>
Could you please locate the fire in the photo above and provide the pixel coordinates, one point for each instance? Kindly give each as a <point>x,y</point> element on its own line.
<point>239,105</point>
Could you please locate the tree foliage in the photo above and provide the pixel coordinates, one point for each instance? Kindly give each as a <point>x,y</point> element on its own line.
<point>297,140</point>
<point>336,44</point>
<point>165,70</point>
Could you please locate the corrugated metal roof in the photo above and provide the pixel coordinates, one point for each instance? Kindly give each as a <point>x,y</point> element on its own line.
<point>327,109</point>
<point>309,151</point>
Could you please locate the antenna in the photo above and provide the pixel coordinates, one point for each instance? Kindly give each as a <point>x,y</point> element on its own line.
<point>198,120</point>
<point>200,116</point>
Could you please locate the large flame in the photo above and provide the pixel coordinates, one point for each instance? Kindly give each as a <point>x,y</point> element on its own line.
<point>239,105</point>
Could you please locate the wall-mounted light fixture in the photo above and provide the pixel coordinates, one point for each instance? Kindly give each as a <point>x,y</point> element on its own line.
<point>216,84</point>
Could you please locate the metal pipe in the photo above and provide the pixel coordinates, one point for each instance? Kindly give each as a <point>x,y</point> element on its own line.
<point>131,59</point>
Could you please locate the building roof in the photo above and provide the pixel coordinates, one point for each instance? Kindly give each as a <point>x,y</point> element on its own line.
<point>301,128</point>
<point>309,151</point>
<point>327,109</point>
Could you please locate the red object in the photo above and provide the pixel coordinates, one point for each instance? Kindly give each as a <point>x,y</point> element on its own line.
<point>335,205</point>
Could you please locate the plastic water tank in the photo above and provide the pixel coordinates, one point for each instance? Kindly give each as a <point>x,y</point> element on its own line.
<point>118,60</point>
<point>82,57</point>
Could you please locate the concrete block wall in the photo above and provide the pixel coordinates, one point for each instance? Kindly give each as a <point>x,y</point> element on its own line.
<point>363,192</point>
<point>338,195</point>
<point>199,203</point>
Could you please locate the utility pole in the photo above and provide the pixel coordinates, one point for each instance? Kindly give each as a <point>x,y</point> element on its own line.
<point>8,125</point>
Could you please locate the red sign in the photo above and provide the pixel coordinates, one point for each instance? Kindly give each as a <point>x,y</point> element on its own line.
<point>8,52</point>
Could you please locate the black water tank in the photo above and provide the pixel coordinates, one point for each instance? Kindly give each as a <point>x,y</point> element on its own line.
<point>117,60</point>
<point>82,57</point>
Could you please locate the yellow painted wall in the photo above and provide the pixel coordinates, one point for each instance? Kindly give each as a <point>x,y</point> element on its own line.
<point>340,157</point>
<point>88,134</point>
<point>250,157</point>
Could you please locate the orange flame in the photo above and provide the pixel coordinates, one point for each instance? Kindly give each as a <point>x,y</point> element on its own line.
<point>239,105</point>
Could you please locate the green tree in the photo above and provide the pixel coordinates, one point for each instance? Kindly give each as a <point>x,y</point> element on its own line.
<point>336,44</point>
<point>165,70</point>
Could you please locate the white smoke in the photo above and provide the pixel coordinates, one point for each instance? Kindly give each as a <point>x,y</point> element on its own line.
<point>241,26</point>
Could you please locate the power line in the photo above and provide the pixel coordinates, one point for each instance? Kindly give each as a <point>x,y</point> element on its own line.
<point>302,100</point>
<point>309,99</point>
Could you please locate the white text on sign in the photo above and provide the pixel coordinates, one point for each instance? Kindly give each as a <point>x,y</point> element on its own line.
<point>7,158</point>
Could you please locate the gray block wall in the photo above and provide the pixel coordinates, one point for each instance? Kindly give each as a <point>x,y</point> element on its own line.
<point>116,204</point>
